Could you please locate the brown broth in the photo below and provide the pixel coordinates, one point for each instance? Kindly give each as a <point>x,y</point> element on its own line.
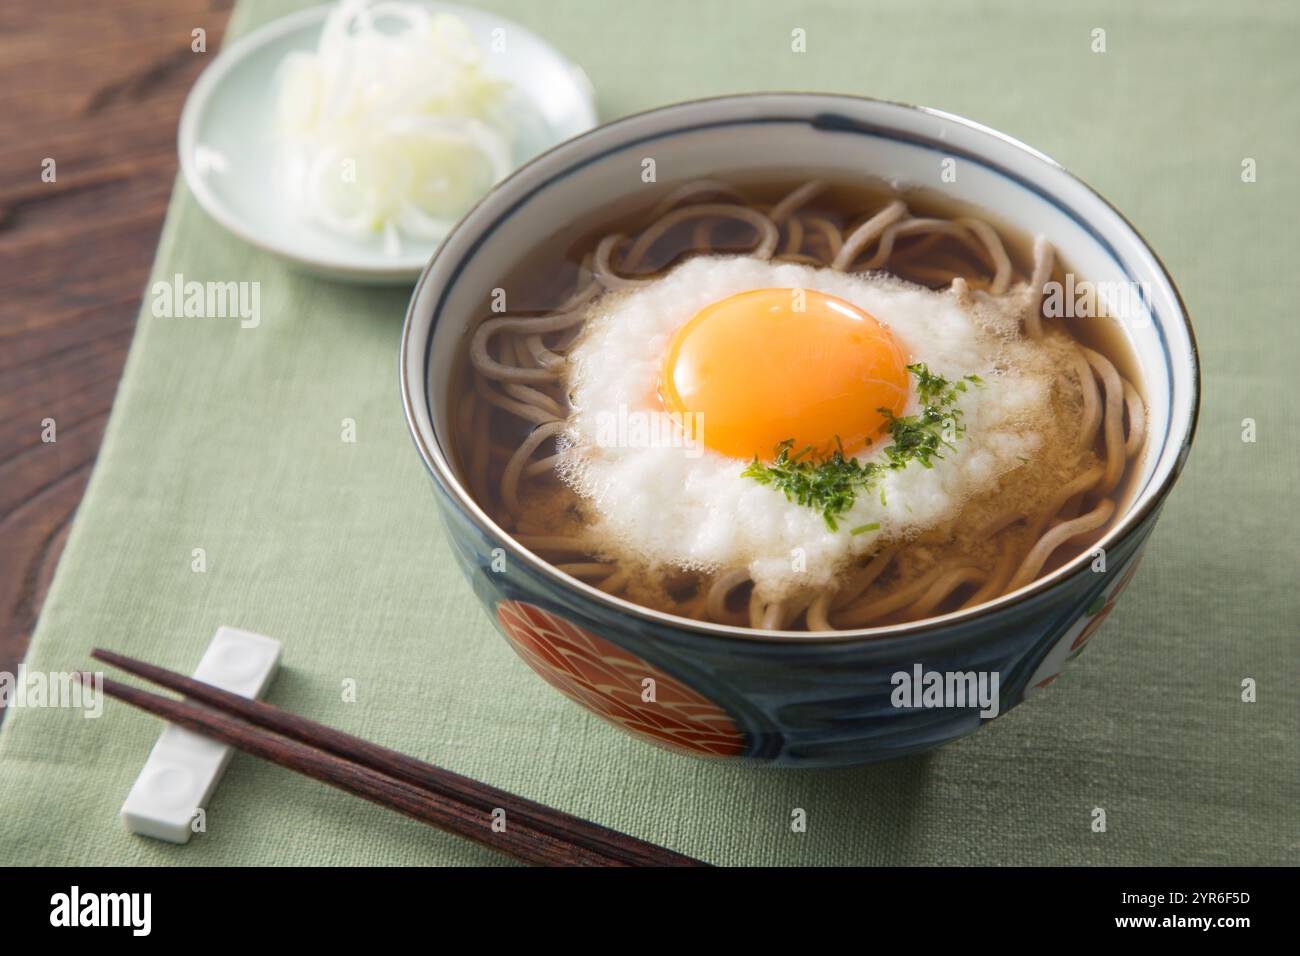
<point>537,284</point>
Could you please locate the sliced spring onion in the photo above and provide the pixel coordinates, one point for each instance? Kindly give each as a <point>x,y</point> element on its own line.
<point>391,127</point>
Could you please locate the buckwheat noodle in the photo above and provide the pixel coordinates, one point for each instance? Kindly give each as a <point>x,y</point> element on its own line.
<point>517,366</point>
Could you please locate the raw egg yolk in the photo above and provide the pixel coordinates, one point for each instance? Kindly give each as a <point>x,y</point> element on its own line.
<point>749,371</point>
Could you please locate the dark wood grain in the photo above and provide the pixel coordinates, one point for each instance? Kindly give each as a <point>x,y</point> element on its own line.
<point>525,830</point>
<point>97,87</point>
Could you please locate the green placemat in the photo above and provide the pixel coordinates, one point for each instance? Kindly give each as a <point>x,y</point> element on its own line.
<point>228,439</point>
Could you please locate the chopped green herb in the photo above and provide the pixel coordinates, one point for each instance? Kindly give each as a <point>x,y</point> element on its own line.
<point>864,528</point>
<point>831,485</point>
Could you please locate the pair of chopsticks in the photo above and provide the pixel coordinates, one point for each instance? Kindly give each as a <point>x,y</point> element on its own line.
<point>533,832</point>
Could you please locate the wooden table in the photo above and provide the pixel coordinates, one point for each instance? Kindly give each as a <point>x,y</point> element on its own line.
<point>98,88</point>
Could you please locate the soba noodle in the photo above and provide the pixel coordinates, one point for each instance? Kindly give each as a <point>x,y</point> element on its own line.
<point>517,367</point>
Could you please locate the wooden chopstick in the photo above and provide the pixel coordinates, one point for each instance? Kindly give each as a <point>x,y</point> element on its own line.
<point>533,833</point>
<point>486,798</point>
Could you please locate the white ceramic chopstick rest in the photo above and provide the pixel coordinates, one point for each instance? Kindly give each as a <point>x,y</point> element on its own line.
<point>183,768</point>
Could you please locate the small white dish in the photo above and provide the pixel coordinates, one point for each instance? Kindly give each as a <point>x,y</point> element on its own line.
<point>227,144</point>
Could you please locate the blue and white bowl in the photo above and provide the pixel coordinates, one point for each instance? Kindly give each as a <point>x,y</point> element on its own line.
<point>790,698</point>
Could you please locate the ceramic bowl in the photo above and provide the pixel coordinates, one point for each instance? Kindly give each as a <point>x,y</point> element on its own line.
<point>791,698</point>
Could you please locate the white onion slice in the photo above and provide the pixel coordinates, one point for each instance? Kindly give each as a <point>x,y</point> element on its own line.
<point>391,128</point>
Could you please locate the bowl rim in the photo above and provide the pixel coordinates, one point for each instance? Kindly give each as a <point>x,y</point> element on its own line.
<point>440,468</point>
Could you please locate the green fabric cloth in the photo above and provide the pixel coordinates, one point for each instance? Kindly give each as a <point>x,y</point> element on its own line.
<point>229,440</point>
